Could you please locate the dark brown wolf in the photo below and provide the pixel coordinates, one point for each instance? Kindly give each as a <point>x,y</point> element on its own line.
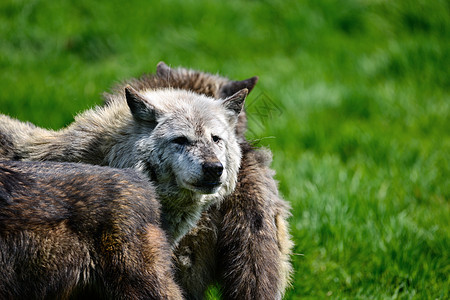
<point>68,228</point>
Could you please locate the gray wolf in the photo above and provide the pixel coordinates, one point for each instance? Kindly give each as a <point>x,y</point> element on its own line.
<point>66,228</point>
<point>243,244</point>
<point>184,142</point>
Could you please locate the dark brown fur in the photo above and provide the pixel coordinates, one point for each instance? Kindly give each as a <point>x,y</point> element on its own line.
<point>67,228</point>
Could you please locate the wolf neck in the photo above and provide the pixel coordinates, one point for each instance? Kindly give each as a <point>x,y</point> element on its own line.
<point>181,211</point>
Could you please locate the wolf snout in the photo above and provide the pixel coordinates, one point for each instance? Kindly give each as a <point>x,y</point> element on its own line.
<point>212,170</point>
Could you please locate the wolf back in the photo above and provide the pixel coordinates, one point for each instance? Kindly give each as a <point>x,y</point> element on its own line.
<point>67,228</point>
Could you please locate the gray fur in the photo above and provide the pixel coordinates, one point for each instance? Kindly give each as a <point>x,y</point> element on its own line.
<point>143,139</point>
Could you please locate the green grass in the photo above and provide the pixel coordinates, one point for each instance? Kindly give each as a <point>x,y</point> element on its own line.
<point>353,100</point>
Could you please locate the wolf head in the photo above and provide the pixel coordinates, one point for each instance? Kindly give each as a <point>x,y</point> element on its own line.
<point>211,85</point>
<point>186,141</point>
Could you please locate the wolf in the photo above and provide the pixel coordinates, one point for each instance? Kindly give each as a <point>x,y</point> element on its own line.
<point>243,243</point>
<point>66,228</point>
<point>184,142</point>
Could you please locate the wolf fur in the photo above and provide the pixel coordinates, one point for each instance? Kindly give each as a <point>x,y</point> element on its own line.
<point>244,243</point>
<point>65,228</point>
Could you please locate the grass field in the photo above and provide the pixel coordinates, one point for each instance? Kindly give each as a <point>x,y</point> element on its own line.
<point>353,100</point>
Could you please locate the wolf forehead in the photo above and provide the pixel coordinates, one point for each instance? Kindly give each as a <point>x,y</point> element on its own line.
<point>188,112</point>
<point>190,103</point>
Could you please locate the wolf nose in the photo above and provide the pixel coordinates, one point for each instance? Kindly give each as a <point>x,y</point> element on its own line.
<point>212,169</point>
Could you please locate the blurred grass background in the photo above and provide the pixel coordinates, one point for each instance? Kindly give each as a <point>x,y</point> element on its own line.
<point>353,100</point>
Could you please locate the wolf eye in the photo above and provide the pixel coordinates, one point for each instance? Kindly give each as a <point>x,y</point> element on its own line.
<point>216,139</point>
<point>181,140</point>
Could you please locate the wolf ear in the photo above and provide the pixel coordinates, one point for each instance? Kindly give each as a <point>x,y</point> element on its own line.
<point>163,70</point>
<point>235,103</point>
<point>140,108</point>
<point>234,86</point>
